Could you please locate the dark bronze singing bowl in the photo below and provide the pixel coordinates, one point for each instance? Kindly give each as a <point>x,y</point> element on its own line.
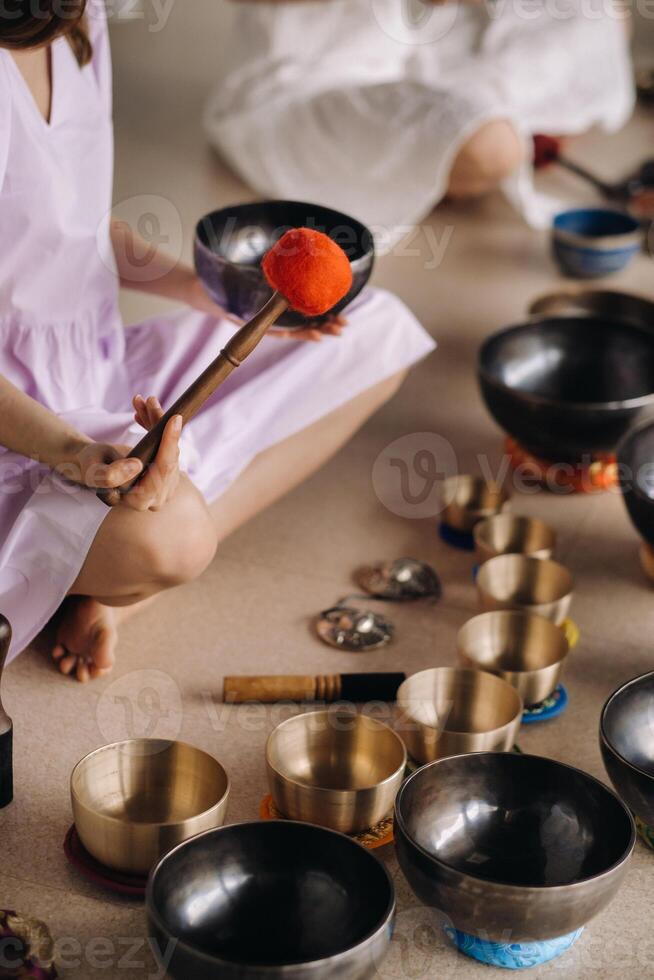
<point>609,303</point>
<point>636,473</point>
<point>271,900</point>
<point>568,386</point>
<point>513,848</point>
<point>230,244</point>
<point>627,744</point>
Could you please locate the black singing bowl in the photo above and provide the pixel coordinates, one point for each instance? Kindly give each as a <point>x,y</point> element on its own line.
<point>513,846</point>
<point>230,244</point>
<point>636,473</point>
<point>271,899</point>
<point>568,387</point>
<point>627,744</point>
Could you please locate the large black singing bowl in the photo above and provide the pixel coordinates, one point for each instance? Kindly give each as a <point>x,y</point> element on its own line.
<point>636,472</point>
<point>513,848</point>
<point>627,744</point>
<point>230,244</point>
<point>568,387</point>
<point>271,900</point>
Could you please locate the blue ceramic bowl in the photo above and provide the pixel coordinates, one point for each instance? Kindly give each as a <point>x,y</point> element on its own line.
<point>230,244</point>
<point>593,242</point>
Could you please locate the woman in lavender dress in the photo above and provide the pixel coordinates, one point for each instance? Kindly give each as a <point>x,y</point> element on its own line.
<point>69,370</point>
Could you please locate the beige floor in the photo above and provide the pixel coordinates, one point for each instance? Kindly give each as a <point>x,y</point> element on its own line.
<point>250,612</point>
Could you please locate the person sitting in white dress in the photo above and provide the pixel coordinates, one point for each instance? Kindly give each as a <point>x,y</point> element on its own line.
<point>382,107</point>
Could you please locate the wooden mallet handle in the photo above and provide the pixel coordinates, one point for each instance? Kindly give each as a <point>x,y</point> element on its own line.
<point>191,401</point>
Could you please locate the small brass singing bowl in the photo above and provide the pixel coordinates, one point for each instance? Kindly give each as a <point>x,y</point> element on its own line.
<point>524,649</point>
<point>337,769</point>
<point>510,534</point>
<point>448,711</point>
<point>470,499</point>
<point>537,585</point>
<point>135,800</point>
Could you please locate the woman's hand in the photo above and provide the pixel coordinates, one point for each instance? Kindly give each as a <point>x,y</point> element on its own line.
<point>314,332</point>
<point>103,466</point>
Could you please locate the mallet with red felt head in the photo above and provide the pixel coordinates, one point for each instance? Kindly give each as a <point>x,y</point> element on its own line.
<point>310,273</point>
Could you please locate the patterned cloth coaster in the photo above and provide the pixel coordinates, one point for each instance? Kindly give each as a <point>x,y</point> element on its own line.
<point>511,956</point>
<point>115,881</point>
<point>376,837</point>
<point>601,474</point>
<point>646,832</point>
<point>26,948</point>
<point>550,708</point>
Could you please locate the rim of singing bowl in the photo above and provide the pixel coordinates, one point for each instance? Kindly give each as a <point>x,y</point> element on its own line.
<point>505,884</point>
<point>605,736</point>
<point>487,569</point>
<point>254,969</point>
<point>404,703</point>
<point>166,742</point>
<point>364,234</point>
<point>374,723</point>
<point>626,448</point>
<point>569,406</point>
<point>483,541</point>
<point>468,649</point>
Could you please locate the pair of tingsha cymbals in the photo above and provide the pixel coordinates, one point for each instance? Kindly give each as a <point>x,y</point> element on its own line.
<point>358,630</point>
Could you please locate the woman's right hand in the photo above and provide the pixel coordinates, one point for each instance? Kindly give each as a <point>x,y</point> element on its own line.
<point>104,466</point>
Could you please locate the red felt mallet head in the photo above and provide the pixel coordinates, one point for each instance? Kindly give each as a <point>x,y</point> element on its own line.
<point>309,269</point>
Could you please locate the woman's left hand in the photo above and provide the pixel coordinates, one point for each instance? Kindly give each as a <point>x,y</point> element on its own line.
<point>314,332</point>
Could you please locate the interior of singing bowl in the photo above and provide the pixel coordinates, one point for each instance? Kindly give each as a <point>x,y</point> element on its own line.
<point>333,751</point>
<point>244,233</point>
<point>507,533</point>
<point>515,819</point>
<point>459,701</point>
<point>473,493</point>
<point>513,641</point>
<point>525,580</point>
<point>230,244</point>
<point>628,723</point>
<point>270,893</point>
<point>149,781</point>
<point>574,360</point>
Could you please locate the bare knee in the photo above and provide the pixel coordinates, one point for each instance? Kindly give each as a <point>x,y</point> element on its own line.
<point>177,543</point>
<point>389,387</point>
<point>492,154</point>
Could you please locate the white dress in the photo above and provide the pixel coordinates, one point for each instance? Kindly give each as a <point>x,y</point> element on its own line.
<point>363,104</point>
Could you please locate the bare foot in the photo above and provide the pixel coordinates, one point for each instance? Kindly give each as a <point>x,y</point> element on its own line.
<point>86,638</point>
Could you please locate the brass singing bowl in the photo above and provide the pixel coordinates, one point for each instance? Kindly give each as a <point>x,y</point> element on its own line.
<point>447,711</point>
<point>470,499</point>
<point>135,800</point>
<point>513,848</point>
<point>510,534</point>
<point>526,650</point>
<point>522,582</point>
<point>337,769</point>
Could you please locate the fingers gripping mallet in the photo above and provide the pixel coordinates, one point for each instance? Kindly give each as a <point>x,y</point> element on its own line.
<point>310,273</point>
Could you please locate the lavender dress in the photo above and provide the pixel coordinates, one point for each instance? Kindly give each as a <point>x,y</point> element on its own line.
<point>62,340</point>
